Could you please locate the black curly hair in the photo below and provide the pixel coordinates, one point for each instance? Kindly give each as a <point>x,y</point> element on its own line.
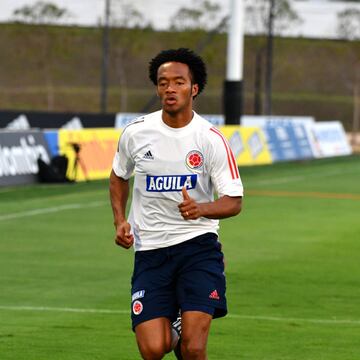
<point>182,55</point>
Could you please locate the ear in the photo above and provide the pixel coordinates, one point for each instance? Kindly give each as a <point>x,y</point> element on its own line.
<point>194,90</point>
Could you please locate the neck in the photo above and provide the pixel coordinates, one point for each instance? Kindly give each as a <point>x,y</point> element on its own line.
<point>179,119</point>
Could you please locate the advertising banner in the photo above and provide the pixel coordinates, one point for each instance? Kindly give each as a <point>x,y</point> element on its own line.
<point>261,120</point>
<point>15,120</point>
<point>330,139</point>
<point>288,137</point>
<point>248,144</point>
<point>19,152</point>
<point>52,139</point>
<point>90,152</point>
<point>122,119</point>
<point>216,120</point>
<point>288,142</point>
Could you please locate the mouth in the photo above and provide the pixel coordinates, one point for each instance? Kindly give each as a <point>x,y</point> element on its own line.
<point>170,100</point>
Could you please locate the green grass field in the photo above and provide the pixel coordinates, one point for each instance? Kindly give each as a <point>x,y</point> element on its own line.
<point>292,257</point>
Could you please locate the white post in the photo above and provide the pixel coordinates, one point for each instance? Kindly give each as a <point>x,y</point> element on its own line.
<point>235,45</point>
<point>233,85</point>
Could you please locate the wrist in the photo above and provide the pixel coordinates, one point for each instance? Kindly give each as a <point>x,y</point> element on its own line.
<point>119,221</point>
<point>202,207</point>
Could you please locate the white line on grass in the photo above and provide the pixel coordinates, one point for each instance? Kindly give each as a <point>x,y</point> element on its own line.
<point>127,312</point>
<point>49,210</point>
<point>66,309</point>
<point>284,319</point>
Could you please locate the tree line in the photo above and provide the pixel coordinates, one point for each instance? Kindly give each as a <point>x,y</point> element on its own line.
<point>203,14</point>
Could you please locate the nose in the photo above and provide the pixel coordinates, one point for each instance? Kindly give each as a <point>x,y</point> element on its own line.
<point>170,88</point>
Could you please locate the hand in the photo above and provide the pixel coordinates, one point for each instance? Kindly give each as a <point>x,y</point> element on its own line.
<point>189,208</point>
<point>123,237</point>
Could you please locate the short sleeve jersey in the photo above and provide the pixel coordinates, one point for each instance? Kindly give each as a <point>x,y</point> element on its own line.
<point>164,160</point>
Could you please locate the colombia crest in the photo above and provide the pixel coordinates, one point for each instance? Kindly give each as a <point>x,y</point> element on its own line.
<point>137,307</point>
<point>194,159</point>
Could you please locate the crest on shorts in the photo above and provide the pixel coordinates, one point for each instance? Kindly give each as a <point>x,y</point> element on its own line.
<point>194,159</point>
<point>137,307</point>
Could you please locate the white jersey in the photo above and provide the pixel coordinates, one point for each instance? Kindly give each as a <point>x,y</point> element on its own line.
<point>164,160</point>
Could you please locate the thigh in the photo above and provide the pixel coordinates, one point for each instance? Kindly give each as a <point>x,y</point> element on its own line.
<point>201,282</point>
<point>195,324</point>
<point>154,337</point>
<point>194,335</point>
<point>153,287</point>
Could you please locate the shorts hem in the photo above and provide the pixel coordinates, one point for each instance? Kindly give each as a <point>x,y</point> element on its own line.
<point>219,310</point>
<point>150,317</point>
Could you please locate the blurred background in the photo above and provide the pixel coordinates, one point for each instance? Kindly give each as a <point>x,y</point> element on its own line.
<point>54,54</point>
<point>84,64</point>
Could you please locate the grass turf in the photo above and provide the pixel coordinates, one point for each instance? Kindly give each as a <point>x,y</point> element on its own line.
<point>291,261</point>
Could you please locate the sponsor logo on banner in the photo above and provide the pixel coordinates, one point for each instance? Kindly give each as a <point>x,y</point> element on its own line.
<point>74,124</point>
<point>164,183</point>
<point>331,139</point>
<point>236,143</point>
<point>248,144</point>
<point>255,145</point>
<point>288,137</point>
<point>19,153</point>
<point>20,123</point>
<point>288,141</point>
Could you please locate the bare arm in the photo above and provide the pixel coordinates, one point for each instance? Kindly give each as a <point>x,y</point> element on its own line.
<point>119,193</point>
<point>224,207</point>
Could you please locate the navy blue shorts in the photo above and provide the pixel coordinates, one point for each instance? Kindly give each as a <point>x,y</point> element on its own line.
<point>187,277</point>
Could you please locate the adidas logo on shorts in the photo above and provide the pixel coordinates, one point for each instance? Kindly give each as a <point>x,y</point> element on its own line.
<point>214,295</point>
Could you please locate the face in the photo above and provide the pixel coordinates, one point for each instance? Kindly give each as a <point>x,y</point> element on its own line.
<point>175,87</point>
